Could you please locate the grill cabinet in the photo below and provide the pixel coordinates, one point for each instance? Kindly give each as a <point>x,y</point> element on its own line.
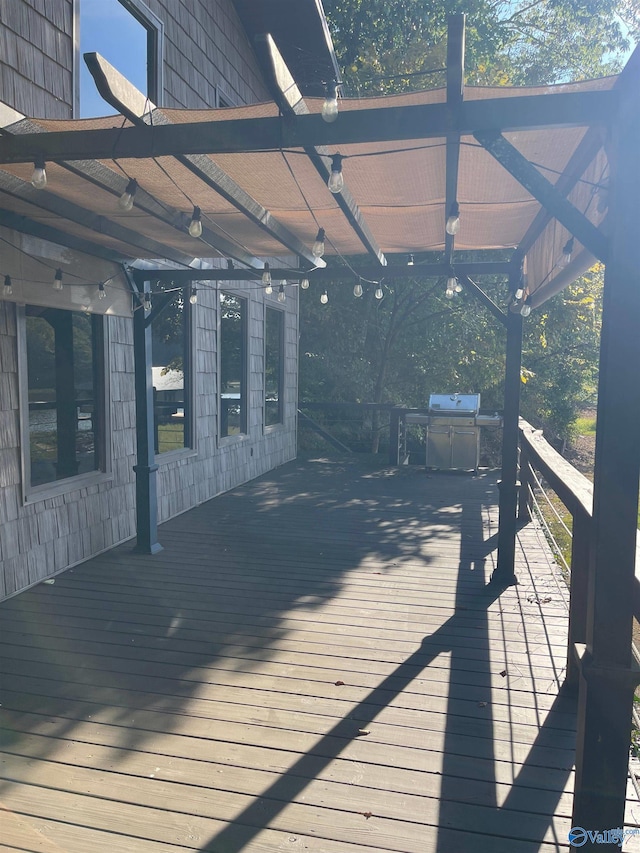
<point>453,431</point>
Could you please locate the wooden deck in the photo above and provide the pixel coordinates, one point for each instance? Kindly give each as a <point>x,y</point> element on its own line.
<point>313,663</point>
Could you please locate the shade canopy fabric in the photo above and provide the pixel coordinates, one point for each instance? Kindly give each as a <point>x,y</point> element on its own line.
<point>268,203</point>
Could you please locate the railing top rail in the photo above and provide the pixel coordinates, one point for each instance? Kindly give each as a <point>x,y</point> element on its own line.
<point>573,488</point>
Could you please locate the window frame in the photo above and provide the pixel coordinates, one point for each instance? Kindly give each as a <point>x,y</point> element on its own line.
<point>32,494</point>
<point>280,422</point>
<point>190,448</point>
<point>154,26</point>
<point>245,414</point>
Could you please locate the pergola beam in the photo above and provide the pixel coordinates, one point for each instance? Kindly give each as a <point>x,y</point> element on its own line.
<point>115,90</point>
<point>544,191</point>
<point>291,103</point>
<point>386,124</point>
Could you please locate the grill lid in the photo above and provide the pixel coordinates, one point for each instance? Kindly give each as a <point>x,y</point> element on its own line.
<point>459,404</point>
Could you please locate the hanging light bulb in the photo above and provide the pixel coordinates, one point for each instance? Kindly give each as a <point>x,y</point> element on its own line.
<point>281,294</point>
<point>449,293</point>
<point>458,287</point>
<point>357,290</point>
<point>379,292</point>
<point>102,293</point>
<point>525,310</point>
<point>146,302</point>
<point>324,298</point>
<point>195,225</point>
<point>304,284</point>
<point>318,246</point>
<point>266,273</point>
<point>567,251</point>
<point>451,282</point>
<point>410,262</point>
<point>336,181</point>
<point>7,290</point>
<point>57,280</point>
<point>125,202</point>
<point>453,220</point>
<point>519,293</point>
<point>39,174</point>
<point>193,298</point>
<point>330,105</point>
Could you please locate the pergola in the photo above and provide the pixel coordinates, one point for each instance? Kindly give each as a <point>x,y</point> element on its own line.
<point>535,172</point>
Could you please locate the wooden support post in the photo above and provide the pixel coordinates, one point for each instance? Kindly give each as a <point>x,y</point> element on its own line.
<point>146,468</point>
<point>607,672</point>
<point>504,574</point>
<point>578,595</point>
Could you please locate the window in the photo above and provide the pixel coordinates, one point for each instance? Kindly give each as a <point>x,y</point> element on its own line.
<point>233,365</point>
<point>273,366</point>
<point>64,413</point>
<point>129,36</point>
<point>171,370</point>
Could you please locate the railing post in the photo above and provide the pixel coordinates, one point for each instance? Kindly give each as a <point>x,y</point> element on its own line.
<point>578,590</point>
<point>526,486</point>
<point>394,435</point>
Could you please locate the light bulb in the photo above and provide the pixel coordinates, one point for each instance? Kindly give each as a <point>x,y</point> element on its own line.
<point>193,298</point>
<point>318,246</point>
<point>410,262</point>
<point>519,294</point>
<point>146,303</point>
<point>451,283</point>
<point>336,181</point>
<point>39,175</point>
<point>567,251</point>
<point>125,202</point>
<point>281,294</point>
<point>357,290</point>
<point>525,310</point>
<point>449,293</point>
<point>453,220</point>
<point>304,284</point>
<point>330,105</point>
<point>102,293</point>
<point>195,226</point>
<point>458,287</point>
<point>324,298</point>
<point>266,274</point>
<point>57,281</point>
<point>379,292</point>
<point>7,290</point>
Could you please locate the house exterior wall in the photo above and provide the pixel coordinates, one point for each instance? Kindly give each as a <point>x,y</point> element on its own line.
<point>206,55</point>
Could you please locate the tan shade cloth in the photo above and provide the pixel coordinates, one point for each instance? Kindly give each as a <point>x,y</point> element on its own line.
<point>399,189</point>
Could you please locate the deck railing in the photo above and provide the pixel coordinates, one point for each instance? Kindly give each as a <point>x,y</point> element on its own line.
<point>575,491</point>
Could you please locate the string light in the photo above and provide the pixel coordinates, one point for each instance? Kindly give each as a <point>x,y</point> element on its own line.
<point>304,284</point>
<point>146,302</point>
<point>7,290</point>
<point>330,105</point>
<point>453,220</point>
<point>357,290</point>
<point>102,293</point>
<point>379,292</point>
<point>525,310</point>
<point>281,294</point>
<point>195,225</point>
<point>452,282</point>
<point>458,287</point>
<point>567,251</point>
<point>336,180</point>
<point>266,273</point>
<point>193,298</point>
<point>318,246</point>
<point>57,280</point>
<point>39,174</point>
<point>519,293</point>
<point>410,262</point>
<point>324,298</point>
<point>125,202</point>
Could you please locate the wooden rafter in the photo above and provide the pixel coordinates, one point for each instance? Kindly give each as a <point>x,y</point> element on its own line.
<point>291,103</point>
<point>121,95</point>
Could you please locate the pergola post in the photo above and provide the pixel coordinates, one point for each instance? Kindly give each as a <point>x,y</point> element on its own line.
<point>608,675</point>
<point>508,500</point>
<point>146,467</point>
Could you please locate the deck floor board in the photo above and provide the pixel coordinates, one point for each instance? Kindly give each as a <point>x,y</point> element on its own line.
<point>315,662</point>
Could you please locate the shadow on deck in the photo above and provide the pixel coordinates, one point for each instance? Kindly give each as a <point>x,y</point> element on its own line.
<point>314,662</point>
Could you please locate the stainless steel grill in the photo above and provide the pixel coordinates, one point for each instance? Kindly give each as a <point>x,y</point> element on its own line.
<point>453,431</point>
